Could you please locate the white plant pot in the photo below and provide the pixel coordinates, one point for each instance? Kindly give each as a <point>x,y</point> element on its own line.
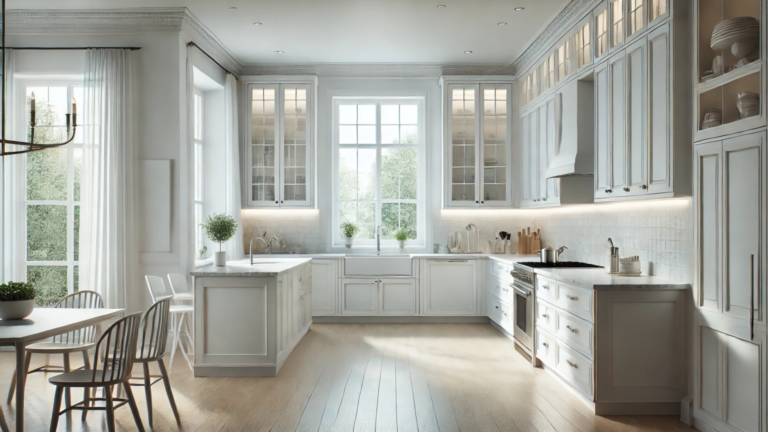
<point>220,259</point>
<point>348,242</point>
<point>16,310</point>
<point>402,244</point>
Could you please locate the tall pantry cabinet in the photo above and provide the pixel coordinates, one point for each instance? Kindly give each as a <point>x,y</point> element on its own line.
<point>730,201</point>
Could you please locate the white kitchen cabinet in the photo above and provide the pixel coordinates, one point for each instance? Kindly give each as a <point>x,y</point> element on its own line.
<point>359,297</point>
<point>660,162</point>
<point>708,209</point>
<point>279,135</point>
<point>325,287</point>
<point>602,131</point>
<point>618,114</point>
<point>397,297</point>
<point>450,287</point>
<point>636,183</point>
<point>386,296</point>
<point>478,142</point>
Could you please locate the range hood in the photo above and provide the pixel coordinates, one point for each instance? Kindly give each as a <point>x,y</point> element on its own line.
<point>574,131</point>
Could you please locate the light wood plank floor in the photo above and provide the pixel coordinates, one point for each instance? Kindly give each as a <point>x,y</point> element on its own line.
<point>364,377</point>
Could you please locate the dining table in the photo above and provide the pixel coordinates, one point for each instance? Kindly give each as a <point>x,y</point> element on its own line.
<point>42,324</point>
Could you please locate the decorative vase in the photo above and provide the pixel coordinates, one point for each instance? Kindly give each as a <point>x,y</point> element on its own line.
<point>348,242</point>
<point>16,310</point>
<point>402,244</point>
<point>220,259</point>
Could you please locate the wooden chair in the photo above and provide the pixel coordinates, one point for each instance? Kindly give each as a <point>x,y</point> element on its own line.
<point>3,424</point>
<point>180,315</point>
<point>75,341</point>
<point>117,350</point>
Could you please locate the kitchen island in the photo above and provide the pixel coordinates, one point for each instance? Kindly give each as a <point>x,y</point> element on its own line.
<point>248,318</point>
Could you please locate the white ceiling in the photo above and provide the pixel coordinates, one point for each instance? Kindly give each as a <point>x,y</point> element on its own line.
<point>355,31</point>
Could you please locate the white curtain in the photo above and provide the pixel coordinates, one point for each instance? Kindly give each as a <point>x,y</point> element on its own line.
<point>9,257</point>
<point>106,174</point>
<point>235,248</point>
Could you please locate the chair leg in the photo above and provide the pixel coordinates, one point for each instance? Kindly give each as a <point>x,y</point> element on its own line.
<point>56,408</point>
<point>175,340</point>
<point>67,396</point>
<point>110,408</point>
<point>167,384</point>
<point>184,351</point>
<point>86,365</point>
<point>12,389</point>
<point>148,391</point>
<point>86,401</point>
<point>134,408</point>
<point>3,424</point>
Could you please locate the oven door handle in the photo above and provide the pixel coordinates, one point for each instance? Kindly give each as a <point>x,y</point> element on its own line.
<point>522,292</point>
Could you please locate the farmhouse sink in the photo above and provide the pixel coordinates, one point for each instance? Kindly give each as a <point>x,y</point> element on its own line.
<point>375,265</point>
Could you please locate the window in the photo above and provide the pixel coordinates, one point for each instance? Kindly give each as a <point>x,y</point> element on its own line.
<point>197,127</point>
<point>543,73</point>
<point>551,71</point>
<point>527,89</point>
<point>534,84</point>
<point>602,33</point>
<point>564,67</point>
<point>658,9</point>
<point>617,16</point>
<point>635,16</point>
<point>379,168</point>
<point>583,53</point>
<point>52,192</point>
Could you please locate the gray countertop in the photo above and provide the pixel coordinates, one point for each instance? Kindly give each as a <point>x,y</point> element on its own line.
<point>599,279</point>
<point>266,266</point>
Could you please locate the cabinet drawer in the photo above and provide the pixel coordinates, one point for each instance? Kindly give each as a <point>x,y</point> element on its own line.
<point>546,347</point>
<point>575,368</point>
<point>576,333</point>
<point>500,289</point>
<point>546,316</point>
<point>546,289</point>
<point>575,300</point>
<point>493,308</point>
<point>507,317</point>
<point>503,271</point>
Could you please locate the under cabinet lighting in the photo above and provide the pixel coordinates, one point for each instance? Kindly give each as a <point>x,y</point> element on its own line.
<point>467,52</point>
<point>257,23</point>
<point>519,8</point>
<point>442,6</point>
<point>502,24</point>
<point>279,52</point>
<point>233,8</point>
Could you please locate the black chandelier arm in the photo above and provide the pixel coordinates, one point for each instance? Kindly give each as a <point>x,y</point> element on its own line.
<point>36,147</point>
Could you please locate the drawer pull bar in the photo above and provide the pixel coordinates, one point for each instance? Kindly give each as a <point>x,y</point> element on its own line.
<point>523,293</point>
<point>573,365</point>
<point>544,316</point>
<point>572,298</point>
<point>573,330</point>
<point>545,344</point>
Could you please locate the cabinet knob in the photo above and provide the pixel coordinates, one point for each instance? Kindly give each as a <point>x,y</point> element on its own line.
<point>573,365</point>
<point>608,191</point>
<point>626,189</point>
<point>277,202</point>
<point>544,316</point>
<point>477,202</point>
<point>544,199</point>
<point>572,298</point>
<point>497,307</point>
<point>545,344</point>
<point>643,187</point>
<point>482,202</point>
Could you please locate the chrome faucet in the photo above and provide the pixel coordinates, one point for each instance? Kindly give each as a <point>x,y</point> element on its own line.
<point>250,247</point>
<point>378,240</point>
<point>270,244</point>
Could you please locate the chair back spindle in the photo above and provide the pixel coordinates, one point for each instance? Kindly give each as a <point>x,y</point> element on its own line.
<point>118,348</point>
<point>153,331</point>
<point>79,300</point>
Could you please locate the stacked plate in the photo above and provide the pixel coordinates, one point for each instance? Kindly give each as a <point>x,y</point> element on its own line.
<point>741,35</point>
<point>748,104</point>
<point>712,118</point>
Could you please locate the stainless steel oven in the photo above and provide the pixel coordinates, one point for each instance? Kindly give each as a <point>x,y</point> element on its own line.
<point>524,309</point>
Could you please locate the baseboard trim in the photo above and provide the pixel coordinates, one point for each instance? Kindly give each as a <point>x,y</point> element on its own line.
<point>637,408</point>
<point>400,319</point>
<point>235,371</point>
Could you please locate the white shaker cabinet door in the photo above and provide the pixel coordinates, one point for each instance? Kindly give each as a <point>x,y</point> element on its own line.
<point>602,131</point>
<point>618,124</point>
<point>744,165</point>
<point>397,297</point>
<point>708,204</point>
<point>660,160</point>
<point>450,288</point>
<point>636,115</point>
<point>325,287</point>
<point>359,297</point>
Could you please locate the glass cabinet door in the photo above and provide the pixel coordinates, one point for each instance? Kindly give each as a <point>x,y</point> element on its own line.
<point>295,150</point>
<point>495,144</point>
<point>463,144</point>
<point>262,149</point>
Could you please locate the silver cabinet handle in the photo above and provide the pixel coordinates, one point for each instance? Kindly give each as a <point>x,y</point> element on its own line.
<point>521,292</point>
<point>573,365</point>
<point>573,330</point>
<point>644,187</point>
<point>545,344</point>
<point>572,298</point>
<point>544,316</point>
<point>752,297</point>
<point>545,286</point>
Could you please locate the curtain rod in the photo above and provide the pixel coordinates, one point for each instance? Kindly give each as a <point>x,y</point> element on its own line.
<point>71,48</point>
<point>212,59</point>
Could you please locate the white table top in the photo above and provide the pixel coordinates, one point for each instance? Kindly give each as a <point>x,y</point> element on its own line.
<point>47,322</point>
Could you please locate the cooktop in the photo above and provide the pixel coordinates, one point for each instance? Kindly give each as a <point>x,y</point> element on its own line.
<point>561,264</point>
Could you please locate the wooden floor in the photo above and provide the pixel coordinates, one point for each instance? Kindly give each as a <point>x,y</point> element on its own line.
<point>364,377</point>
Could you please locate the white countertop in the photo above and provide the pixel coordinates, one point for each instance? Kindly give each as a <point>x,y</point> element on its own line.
<point>266,266</point>
<point>599,279</point>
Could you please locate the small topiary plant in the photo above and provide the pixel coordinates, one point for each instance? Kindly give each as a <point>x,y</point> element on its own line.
<point>402,234</point>
<point>220,228</point>
<point>348,229</point>
<point>16,291</point>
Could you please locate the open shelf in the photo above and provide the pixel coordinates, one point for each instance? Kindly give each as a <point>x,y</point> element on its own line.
<point>710,14</point>
<point>724,97</point>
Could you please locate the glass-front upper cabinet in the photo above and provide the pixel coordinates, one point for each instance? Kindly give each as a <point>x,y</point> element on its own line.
<point>600,16</point>
<point>279,144</point>
<point>477,143</point>
<point>616,9</point>
<point>659,9</point>
<point>636,17</point>
<point>583,44</point>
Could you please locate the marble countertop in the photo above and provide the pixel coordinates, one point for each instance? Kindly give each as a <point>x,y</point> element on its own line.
<point>507,258</point>
<point>266,266</point>
<point>599,279</point>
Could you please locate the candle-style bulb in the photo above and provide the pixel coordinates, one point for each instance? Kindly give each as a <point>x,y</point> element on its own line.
<point>32,111</point>
<point>74,106</point>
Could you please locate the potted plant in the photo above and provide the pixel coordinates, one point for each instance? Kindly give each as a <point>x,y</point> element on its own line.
<point>348,230</point>
<point>17,300</point>
<point>401,236</point>
<point>220,228</point>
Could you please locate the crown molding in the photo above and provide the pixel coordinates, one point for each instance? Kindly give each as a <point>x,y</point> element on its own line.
<point>122,21</point>
<point>377,70</point>
<point>570,14</point>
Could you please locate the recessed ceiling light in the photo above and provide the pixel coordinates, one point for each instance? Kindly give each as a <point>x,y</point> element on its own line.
<point>502,24</point>
<point>279,52</point>
<point>233,8</point>
<point>519,8</point>
<point>442,6</point>
<point>257,23</point>
<point>467,52</point>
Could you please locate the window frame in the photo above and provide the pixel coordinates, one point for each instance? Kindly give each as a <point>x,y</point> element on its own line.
<point>198,140</point>
<point>643,15</point>
<point>596,54</point>
<point>421,200</point>
<point>20,104</point>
